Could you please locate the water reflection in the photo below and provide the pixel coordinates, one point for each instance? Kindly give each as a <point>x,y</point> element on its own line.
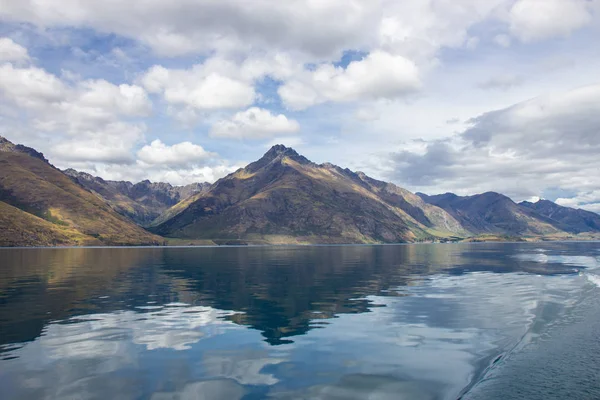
<point>286,322</point>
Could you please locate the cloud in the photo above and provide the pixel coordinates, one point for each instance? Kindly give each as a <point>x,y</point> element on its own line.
<point>379,75</point>
<point>201,87</point>
<point>184,27</point>
<point>125,99</point>
<point>567,121</point>
<point>84,120</point>
<point>534,20</point>
<point>203,171</point>
<point>34,88</point>
<point>549,141</point>
<point>30,87</point>
<point>502,40</point>
<point>586,200</point>
<point>254,123</point>
<point>11,51</point>
<point>418,29</point>
<point>502,82</point>
<point>111,144</point>
<point>179,164</point>
<point>178,155</point>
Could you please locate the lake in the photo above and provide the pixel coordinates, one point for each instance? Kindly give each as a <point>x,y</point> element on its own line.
<point>423,321</point>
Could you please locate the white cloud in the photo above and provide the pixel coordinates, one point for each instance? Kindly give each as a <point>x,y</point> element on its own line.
<point>379,75</point>
<point>254,123</point>
<point>201,87</point>
<point>125,99</point>
<point>111,143</point>
<point>34,88</point>
<point>11,51</point>
<point>30,87</point>
<point>189,175</point>
<point>139,170</point>
<point>178,155</point>
<point>586,200</point>
<point>82,119</point>
<point>533,20</point>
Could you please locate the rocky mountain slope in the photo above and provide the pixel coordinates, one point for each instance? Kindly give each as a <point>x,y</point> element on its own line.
<point>570,219</point>
<point>284,197</point>
<point>142,202</point>
<point>494,213</point>
<point>40,205</point>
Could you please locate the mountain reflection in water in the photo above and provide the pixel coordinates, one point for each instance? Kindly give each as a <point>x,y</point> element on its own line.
<point>284,322</point>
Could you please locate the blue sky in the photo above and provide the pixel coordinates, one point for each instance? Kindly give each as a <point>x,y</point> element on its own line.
<point>464,96</point>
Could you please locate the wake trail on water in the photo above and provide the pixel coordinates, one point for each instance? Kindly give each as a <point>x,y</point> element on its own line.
<point>498,368</point>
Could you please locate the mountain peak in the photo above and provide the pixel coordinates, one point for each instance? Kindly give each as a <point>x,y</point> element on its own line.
<point>281,150</point>
<point>277,153</point>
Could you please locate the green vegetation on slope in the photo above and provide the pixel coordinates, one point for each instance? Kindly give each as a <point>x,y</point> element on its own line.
<point>23,229</point>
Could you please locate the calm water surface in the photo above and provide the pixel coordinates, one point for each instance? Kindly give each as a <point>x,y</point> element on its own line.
<point>481,321</point>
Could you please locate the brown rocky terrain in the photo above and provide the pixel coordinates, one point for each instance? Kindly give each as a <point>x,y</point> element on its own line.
<point>285,198</point>
<point>41,206</point>
<point>142,202</point>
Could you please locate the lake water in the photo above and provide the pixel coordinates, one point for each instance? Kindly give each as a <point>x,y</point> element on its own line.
<point>481,321</point>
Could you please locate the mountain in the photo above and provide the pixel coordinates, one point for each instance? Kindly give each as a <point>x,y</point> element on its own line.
<point>281,198</point>
<point>494,213</point>
<point>285,198</point>
<point>40,205</point>
<point>571,219</point>
<point>142,202</point>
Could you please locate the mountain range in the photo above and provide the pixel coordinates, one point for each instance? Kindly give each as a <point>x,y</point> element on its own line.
<point>281,198</point>
<point>142,202</point>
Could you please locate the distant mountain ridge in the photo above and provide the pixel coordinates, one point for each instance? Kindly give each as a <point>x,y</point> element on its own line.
<point>571,219</point>
<point>494,213</point>
<point>142,202</point>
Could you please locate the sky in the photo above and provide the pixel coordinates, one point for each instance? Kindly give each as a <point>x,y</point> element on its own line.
<point>465,96</point>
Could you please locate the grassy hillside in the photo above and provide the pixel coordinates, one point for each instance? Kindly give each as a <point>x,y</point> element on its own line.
<point>23,229</point>
<point>35,187</point>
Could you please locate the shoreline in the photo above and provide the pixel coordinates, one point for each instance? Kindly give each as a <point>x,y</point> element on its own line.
<point>591,240</point>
